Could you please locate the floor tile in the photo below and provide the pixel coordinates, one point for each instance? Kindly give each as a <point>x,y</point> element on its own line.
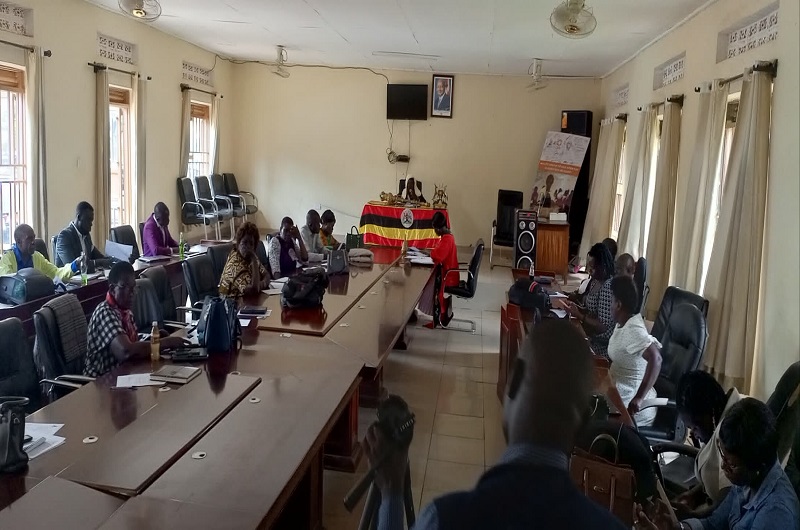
<point>449,476</point>
<point>460,405</point>
<point>463,426</point>
<point>458,358</point>
<point>455,449</point>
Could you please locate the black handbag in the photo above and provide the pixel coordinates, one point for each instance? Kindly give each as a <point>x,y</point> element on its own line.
<point>304,290</point>
<point>337,262</point>
<point>218,328</point>
<point>12,434</point>
<point>354,239</point>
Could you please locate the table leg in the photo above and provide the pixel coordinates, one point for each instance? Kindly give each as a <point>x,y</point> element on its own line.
<point>343,449</point>
<point>304,508</point>
<point>371,390</point>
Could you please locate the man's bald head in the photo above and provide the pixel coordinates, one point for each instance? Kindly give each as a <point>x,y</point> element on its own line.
<point>624,265</point>
<point>313,221</point>
<point>161,214</point>
<point>550,386</point>
<point>24,237</point>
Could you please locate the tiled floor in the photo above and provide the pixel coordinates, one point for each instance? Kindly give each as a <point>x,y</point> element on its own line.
<point>449,380</point>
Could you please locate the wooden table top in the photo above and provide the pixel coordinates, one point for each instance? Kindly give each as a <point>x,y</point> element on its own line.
<point>149,512</point>
<point>58,503</point>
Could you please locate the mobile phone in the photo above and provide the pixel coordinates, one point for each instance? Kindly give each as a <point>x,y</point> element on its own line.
<point>28,439</point>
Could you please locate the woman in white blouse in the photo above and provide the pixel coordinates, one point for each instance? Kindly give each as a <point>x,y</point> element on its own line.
<point>634,353</point>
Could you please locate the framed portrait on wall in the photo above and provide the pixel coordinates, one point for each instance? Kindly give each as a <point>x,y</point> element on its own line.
<point>442,97</point>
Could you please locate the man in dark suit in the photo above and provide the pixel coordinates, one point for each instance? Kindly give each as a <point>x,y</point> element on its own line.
<point>441,100</point>
<point>547,402</point>
<point>75,240</point>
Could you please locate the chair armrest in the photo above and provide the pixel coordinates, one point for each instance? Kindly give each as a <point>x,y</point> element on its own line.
<point>675,447</point>
<point>75,378</point>
<point>202,208</point>
<point>255,199</point>
<point>662,403</point>
<point>62,384</point>
<point>227,200</point>
<point>211,203</point>
<point>459,271</point>
<point>494,223</point>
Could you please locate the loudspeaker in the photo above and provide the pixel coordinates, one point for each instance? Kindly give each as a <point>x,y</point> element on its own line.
<point>578,122</point>
<point>526,227</point>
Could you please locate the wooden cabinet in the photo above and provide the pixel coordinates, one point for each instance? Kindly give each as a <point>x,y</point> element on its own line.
<point>552,247</point>
<point>511,333</point>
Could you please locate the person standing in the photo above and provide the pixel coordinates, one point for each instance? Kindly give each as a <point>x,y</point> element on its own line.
<point>76,239</point>
<point>156,239</point>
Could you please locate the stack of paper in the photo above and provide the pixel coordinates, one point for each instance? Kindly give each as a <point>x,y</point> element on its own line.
<point>133,380</point>
<point>422,260</point>
<point>44,438</point>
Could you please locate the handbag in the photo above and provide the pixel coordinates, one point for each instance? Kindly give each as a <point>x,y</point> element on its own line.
<point>218,328</point>
<point>337,262</point>
<point>610,484</point>
<point>12,434</point>
<point>354,239</point>
<point>304,290</point>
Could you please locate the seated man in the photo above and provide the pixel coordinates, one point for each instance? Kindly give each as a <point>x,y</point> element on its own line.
<point>624,265</point>
<point>24,256</point>
<point>76,240</point>
<point>156,239</point>
<point>112,336</point>
<point>547,400</point>
<point>311,238</point>
<point>326,229</point>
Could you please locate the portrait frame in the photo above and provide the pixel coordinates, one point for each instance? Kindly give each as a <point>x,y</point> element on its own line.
<point>442,107</point>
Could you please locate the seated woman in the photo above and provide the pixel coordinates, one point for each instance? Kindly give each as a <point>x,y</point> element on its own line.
<point>596,317</point>
<point>446,255</point>
<point>243,274</point>
<point>634,353</point>
<point>326,229</point>
<point>286,250</point>
<point>578,296</point>
<point>702,405</point>
<point>761,496</point>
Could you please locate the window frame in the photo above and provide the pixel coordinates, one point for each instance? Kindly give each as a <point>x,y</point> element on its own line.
<point>199,139</point>
<point>15,188</point>
<point>120,97</point>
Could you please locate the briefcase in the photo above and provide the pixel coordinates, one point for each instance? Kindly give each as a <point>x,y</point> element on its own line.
<point>354,239</point>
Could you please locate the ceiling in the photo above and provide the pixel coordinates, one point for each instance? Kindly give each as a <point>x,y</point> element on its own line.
<point>469,36</point>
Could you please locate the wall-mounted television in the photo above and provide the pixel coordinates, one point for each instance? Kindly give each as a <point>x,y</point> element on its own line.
<point>406,102</point>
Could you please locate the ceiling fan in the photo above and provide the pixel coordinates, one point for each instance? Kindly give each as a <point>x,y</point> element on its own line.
<point>145,10</point>
<point>539,79</point>
<point>573,19</point>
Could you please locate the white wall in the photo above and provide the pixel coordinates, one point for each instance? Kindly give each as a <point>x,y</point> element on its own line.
<point>320,138</point>
<point>780,338</point>
<point>69,28</point>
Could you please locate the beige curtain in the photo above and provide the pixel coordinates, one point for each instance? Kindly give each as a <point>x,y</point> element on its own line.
<point>102,208</point>
<point>600,214</point>
<point>37,145</point>
<point>215,135</point>
<point>633,226</point>
<point>692,234</point>
<point>734,275</point>
<point>139,135</point>
<point>186,119</point>
<point>662,220</point>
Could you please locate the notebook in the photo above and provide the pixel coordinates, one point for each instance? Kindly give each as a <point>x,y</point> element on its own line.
<point>151,259</point>
<point>175,374</point>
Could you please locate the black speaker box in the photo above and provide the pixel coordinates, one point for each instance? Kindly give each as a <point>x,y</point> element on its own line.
<point>526,226</point>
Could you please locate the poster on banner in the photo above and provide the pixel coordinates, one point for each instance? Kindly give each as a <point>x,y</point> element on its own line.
<point>559,166</point>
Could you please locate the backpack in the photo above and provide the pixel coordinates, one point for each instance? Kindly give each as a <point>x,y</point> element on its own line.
<point>529,295</point>
<point>337,262</point>
<point>218,328</point>
<point>304,290</point>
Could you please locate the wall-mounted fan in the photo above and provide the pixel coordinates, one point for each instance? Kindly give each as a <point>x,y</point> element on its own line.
<point>573,19</point>
<point>145,10</point>
<point>539,79</point>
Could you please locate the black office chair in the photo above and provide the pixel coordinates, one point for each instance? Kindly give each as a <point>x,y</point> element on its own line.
<point>466,288</point>
<point>220,204</point>
<point>194,212</point>
<point>508,202</point>
<point>163,290</point>
<point>41,247</point>
<point>53,248</point>
<point>785,405</point>
<point>682,350</point>
<point>124,235</point>
<point>219,255</point>
<point>198,272</point>
<point>261,252</point>
<point>218,189</point>
<point>141,233</point>
<point>146,306</point>
<point>673,297</point>
<point>60,346</point>
<point>17,371</point>
<point>640,279</point>
<point>238,196</point>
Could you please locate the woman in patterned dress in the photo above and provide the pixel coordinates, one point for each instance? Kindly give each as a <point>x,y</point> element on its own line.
<point>243,274</point>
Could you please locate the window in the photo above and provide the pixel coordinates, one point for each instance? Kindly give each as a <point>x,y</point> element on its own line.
<point>619,198</point>
<point>199,140</point>
<point>651,189</point>
<point>121,199</point>
<point>14,208</point>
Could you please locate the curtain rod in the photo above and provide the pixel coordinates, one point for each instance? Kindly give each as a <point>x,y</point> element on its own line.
<point>622,116</point>
<point>101,66</point>
<point>675,98</point>
<point>46,53</point>
<point>770,67</point>
<point>185,87</point>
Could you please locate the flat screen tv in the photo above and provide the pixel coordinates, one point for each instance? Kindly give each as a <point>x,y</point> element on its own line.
<point>406,102</point>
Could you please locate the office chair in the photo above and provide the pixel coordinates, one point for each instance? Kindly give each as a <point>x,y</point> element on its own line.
<point>60,345</point>
<point>53,248</point>
<point>146,306</point>
<point>220,204</point>
<point>508,202</point>
<point>198,272</point>
<point>219,255</point>
<point>141,233</point>
<point>682,349</point>
<point>17,371</point>
<point>41,247</point>
<point>238,196</point>
<point>162,288</point>
<point>640,279</point>
<point>193,212</point>
<point>673,297</point>
<point>124,235</point>
<point>466,288</point>
<point>236,205</point>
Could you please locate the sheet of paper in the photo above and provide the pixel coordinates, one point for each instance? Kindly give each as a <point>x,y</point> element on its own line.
<point>41,447</point>
<point>278,284</point>
<point>426,260</point>
<point>271,291</point>
<point>118,250</point>
<point>39,430</point>
<point>560,313</point>
<point>132,380</point>
<point>244,322</point>
<point>557,295</point>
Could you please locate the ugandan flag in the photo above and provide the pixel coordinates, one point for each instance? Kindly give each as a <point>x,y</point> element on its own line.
<point>383,226</point>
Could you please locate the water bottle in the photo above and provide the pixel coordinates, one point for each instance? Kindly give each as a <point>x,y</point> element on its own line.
<point>84,269</point>
<point>155,342</point>
<point>181,245</point>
